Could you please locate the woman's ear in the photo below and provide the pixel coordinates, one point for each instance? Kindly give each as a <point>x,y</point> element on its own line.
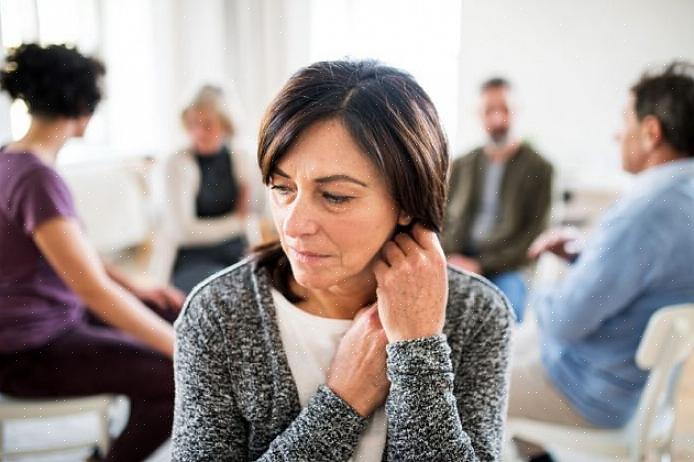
<point>404,219</point>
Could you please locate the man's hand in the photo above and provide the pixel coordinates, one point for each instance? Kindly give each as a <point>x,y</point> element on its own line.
<point>562,242</point>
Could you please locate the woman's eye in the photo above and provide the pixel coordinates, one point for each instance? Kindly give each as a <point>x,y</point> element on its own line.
<point>281,190</point>
<point>335,199</point>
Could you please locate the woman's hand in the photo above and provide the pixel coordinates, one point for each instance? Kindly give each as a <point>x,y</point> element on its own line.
<point>62,243</point>
<point>412,286</point>
<point>164,297</point>
<point>358,371</point>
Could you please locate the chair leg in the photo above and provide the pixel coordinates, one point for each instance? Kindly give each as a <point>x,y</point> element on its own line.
<point>104,436</point>
<point>2,441</point>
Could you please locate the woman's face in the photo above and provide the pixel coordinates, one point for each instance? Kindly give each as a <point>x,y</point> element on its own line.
<point>205,129</point>
<point>331,207</point>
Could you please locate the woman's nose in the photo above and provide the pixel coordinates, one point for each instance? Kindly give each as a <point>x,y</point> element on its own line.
<point>301,219</point>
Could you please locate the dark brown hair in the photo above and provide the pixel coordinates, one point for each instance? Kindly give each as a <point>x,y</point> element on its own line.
<point>669,97</point>
<point>390,118</point>
<point>494,83</point>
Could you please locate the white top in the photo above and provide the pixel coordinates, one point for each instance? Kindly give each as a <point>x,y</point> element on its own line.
<point>310,343</point>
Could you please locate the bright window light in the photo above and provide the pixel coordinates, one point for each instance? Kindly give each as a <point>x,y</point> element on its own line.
<point>70,22</point>
<point>19,119</point>
<point>422,38</point>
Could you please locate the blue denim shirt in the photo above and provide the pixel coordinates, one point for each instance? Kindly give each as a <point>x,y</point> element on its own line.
<point>640,258</point>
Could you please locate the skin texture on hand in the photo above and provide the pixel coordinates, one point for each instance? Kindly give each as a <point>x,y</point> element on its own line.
<point>358,371</point>
<point>412,286</point>
<point>411,302</point>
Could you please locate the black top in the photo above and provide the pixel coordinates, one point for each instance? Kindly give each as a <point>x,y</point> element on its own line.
<point>219,189</point>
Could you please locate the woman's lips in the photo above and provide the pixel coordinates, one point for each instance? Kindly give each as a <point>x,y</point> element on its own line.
<point>305,256</point>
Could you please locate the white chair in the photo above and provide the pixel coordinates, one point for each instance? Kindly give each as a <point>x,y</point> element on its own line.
<point>21,409</point>
<point>666,344</point>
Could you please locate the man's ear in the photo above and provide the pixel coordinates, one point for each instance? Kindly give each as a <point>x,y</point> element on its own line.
<point>651,133</point>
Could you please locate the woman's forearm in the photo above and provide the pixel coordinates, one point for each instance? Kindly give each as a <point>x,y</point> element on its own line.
<point>120,277</point>
<point>423,418</point>
<point>328,429</point>
<point>119,308</point>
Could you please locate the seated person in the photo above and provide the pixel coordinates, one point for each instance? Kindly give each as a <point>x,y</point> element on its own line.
<point>351,327</point>
<point>207,194</point>
<point>637,261</point>
<point>499,201</point>
<point>69,325</point>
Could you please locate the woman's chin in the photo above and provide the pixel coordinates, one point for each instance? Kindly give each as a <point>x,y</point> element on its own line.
<point>329,277</point>
<point>313,280</point>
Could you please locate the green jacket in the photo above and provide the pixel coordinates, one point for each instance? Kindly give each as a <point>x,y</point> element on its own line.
<point>526,191</point>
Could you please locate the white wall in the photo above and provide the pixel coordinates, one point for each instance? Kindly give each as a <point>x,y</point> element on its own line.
<point>572,64</point>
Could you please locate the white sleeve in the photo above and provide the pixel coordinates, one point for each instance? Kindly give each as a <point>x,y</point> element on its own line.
<point>182,187</point>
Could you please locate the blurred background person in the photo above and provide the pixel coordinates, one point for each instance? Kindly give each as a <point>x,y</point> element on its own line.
<point>499,200</point>
<point>637,261</point>
<point>69,324</point>
<point>207,193</point>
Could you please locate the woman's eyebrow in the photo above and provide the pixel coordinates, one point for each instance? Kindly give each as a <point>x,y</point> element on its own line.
<point>325,179</point>
<point>335,178</point>
<point>278,171</point>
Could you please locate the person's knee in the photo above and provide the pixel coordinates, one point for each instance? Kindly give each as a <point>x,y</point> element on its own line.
<point>154,379</point>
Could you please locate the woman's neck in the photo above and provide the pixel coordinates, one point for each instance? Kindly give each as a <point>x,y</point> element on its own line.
<point>341,301</point>
<point>44,138</point>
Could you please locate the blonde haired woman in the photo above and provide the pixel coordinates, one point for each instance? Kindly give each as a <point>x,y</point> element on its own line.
<point>207,193</point>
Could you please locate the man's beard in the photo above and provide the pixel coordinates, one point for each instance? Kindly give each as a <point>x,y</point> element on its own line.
<point>499,138</point>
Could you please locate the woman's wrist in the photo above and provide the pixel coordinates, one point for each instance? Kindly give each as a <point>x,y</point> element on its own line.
<point>359,402</point>
<point>419,356</point>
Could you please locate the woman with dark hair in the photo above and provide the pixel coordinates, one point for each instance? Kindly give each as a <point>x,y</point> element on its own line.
<point>349,339</point>
<point>50,344</point>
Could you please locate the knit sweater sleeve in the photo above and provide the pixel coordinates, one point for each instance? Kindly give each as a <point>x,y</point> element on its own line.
<point>435,414</point>
<point>209,423</point>
<point>327,429</point>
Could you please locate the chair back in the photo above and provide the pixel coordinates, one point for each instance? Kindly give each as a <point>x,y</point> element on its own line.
<point>666,344</point>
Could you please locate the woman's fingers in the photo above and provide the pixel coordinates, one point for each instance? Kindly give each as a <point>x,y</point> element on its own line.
<point>175,298</point>
<point>426,239</point>
<point>392,253</point>
<point>406,244</point>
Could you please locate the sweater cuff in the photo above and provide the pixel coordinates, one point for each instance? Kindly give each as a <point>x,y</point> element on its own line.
<point>419,356</point>
<point>334,409</point>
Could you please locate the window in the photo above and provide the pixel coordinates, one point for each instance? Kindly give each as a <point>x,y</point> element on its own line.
<point>422,38</point>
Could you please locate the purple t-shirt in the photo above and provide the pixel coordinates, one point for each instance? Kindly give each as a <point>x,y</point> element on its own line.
<point>35,304</point>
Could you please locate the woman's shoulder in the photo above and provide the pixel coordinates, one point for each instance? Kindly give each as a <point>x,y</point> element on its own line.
<point>24,174</point>
<point>473,301</point>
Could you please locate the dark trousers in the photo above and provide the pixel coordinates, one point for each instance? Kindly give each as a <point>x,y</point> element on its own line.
<point>91,359</point>
<point>194,264</point>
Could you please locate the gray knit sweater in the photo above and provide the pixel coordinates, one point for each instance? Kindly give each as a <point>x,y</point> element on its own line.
<point>236,399</point>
